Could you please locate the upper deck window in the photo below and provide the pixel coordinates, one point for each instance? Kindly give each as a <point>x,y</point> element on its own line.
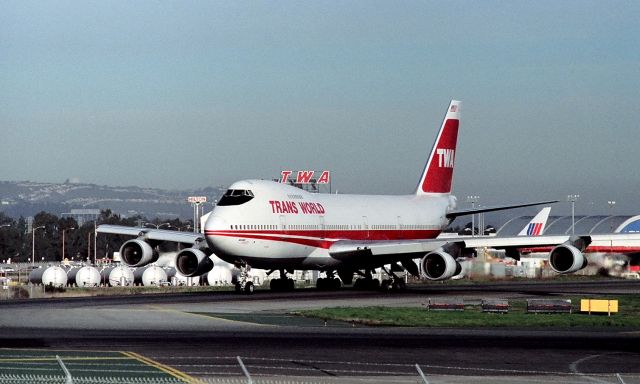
<point>235,197</point>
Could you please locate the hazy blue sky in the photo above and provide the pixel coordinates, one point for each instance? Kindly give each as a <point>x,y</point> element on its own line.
<point>198,93</point>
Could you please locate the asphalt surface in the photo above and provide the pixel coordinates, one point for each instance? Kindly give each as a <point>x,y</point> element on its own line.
<point>202,336</point>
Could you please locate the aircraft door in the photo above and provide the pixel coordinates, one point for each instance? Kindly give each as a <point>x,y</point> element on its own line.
<point>283,224</point>
<point>321,227</point>
<point>365,227</point>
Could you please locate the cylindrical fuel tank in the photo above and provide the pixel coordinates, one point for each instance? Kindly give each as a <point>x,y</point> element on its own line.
<point>54,276</point>
<point>150,275</point>
<point>86,276</point>
<point>221,274</point>
<point>178,279</point>
<point>119,276</point>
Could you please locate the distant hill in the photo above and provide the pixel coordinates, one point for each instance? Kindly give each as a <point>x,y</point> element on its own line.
<point>26,198</point>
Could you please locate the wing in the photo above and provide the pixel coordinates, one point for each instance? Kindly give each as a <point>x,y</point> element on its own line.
<point>525,241</point>
<point>439,255</point>
<point>152,234</point>
<point>465,212</point>
<point>345,250</point>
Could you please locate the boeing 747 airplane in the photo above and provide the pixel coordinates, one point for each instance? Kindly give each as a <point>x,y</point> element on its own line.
<point>275,226</point>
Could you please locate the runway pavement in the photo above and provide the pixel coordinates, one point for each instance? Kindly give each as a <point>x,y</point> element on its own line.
<point>201,336</point>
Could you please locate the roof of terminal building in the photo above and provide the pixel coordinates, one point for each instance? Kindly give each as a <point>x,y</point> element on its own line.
<point>561,225</point>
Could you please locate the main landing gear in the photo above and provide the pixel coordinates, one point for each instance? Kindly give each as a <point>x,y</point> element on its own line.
<point>283,284</point>
<point>395,282</point>
<point>368,283</point>
<point>329,283</point>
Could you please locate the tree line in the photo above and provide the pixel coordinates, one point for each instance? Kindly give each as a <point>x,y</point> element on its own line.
<point>16,241</point>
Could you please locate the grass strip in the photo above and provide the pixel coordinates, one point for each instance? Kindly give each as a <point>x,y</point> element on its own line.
<point>627,317</point>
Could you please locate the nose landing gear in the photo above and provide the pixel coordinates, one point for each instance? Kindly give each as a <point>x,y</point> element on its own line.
<point>244,284</point>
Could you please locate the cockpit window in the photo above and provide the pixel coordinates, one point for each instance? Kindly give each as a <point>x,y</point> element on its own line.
<point>235,197</point>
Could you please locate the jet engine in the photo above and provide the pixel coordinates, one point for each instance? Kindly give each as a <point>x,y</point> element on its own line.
<point>566,258</point>
<point>440,265</point>
<point>193,262</point>
<point>137,253</point>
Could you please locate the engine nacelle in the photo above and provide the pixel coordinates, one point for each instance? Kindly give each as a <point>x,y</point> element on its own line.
<point>193,262</point>
<point>137,253</point>
<point>439,265</point>
<point>565,258</point>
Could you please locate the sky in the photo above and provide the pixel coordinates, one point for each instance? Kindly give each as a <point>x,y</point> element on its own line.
<point>190,94</point>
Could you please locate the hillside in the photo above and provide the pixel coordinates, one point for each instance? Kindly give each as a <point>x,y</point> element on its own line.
<point>26,198</point>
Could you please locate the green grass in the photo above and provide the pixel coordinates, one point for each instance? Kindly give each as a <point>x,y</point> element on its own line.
<point>627,317</point>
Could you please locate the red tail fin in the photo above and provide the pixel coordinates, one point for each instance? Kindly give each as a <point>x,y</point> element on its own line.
<point>438,173</point>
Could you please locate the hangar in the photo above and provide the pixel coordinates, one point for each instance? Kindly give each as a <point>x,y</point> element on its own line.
<point>561,225</point>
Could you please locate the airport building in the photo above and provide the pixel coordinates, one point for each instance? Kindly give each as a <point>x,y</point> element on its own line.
<point>584,225</point>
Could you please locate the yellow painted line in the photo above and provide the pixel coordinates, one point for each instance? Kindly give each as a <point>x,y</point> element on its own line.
<point>164,368</point>
<point>209,317</point>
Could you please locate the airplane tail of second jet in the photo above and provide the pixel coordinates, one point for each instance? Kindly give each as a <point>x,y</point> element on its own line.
<point>537,224</point>
<point>438,172</point>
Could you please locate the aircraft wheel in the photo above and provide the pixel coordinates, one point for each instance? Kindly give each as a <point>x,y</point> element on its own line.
<point>385,285</point>
<point>399,285</point>
<point>321,284</point>
<point>357,285</point>
<point>238,288</point>
<point>248,288</point>
<point>290,284</point>
<point>375,284</point>
<point>336,283</point>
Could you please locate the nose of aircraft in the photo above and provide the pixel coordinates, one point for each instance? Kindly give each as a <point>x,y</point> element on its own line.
<point>215,223</point>
<point>213,229</point>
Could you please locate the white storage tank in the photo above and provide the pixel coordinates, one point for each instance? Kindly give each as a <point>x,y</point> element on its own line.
<point>151,275</point>
<point>86,276</point>
<point>119,276</point>
<point>178,279</point>
<point>221,274</point>
<point>53,276</point>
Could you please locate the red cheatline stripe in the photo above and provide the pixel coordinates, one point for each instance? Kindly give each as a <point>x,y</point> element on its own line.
<point>315,238</point>
<point>318,243</point>
<point>363,235</point>
<point>614,249</point>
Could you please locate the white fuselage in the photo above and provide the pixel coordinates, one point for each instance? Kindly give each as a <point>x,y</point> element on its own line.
<point>269,224</point>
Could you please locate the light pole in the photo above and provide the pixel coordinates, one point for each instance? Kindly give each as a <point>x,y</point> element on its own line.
<point>473,200</point>
<point>33,245</point>
<point>63,231</point>
<point>611,204</point>
<point>95,242</point>
<point>572,199</point>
